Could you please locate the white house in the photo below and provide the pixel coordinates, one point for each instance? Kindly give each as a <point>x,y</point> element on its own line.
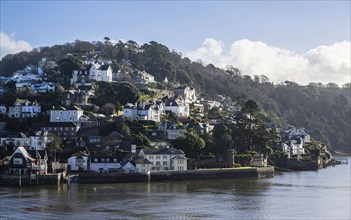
<point>99,72</point>
<point>43,87</point>
<point>79,161</point>
<point>104,164</point>
<point>144,77</point>
<point>165,159</point>
<point>128,166</point>
<point>302,133</point>
<point>143,111</point>
<point>142,165</point>
<point>296,146</point>
<point>15,140</point>
<point>176,106</point>
<point>80,76</point>
<point>39,141</point>
<point>187,92</point>
<point>24,109</point>
<point>30,109</point>
<point>69,114</point>
<point>171,130</point>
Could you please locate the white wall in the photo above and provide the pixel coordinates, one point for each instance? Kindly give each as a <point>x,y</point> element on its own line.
<point>72,162</point>
<point>95,167</point>
<point>65,115</point>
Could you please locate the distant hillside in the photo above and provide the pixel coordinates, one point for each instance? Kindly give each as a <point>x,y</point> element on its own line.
<point>324,110</point>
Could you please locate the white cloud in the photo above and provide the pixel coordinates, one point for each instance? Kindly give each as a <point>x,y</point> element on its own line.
<point>326,63</point>
<point>9,45</point>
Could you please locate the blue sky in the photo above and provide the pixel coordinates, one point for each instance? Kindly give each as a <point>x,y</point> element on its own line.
<point>296,26</point>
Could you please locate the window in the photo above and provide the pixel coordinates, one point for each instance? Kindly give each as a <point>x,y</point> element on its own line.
<point>158,163</point>
<point>158,157</point>
<point>164,157</point>
<point>80,162</point>
<point>115,160</point>
<point>151,157</point>
<point>17,160</point>
<point>180,161</point>
<point>102,159</point>
<point>164,163</point>
<point>107,159</point>
<point>95,160</point>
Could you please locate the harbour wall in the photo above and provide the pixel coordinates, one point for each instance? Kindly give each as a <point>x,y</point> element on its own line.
<point>48,179</point>
<point>259,172</point>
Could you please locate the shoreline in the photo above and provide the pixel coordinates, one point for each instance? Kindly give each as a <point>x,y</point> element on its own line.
<point>98,178</point>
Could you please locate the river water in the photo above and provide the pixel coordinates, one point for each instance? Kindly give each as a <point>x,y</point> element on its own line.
<point>323,194</point>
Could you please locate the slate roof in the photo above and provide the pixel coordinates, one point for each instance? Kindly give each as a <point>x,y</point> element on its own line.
<point>80,154</point>
<point>179,158</point>
<point>61,124</point>
<point>141,160</point>
<point>104,67</point>
<point>24,153</point>
<point>163,151</point>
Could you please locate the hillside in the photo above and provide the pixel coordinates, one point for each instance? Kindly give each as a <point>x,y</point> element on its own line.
<point>324,110</point>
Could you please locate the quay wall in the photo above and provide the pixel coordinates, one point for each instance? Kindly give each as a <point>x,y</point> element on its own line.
<point>259,172</point>
<point>49,179</point>
<point>111,177</point>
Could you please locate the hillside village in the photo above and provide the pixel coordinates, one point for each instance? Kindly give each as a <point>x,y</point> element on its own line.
<point>104,119</point>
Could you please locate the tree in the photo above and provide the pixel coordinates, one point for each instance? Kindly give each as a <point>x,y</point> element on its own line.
<point>59,90</point>
<point>192,144</point>
<point>54,145</point>
<point>142,140</point>
<point>66,67</point>
<point>25,93</point>
<point>108,109</point>
<point>125,131</point>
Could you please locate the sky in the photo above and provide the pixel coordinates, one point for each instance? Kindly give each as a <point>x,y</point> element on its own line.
<point>301,41</point>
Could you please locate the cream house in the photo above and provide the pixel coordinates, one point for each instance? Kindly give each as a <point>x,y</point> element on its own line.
<point>69,114</point>
<point>165,159</point>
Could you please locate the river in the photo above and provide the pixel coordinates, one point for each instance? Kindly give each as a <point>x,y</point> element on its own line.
<point>323,194</point>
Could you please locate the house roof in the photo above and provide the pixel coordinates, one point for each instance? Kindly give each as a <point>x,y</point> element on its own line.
<point>163,151</point>
<point>178,157</point>
<point>7,158</point>
<point>129,105</point>
<point>115,134</point>
<point>168,125</point>
<point>80,154</point>
<point>104,67</point>
<point>23,151</point>
<point>141,160</point>
<point>61,124</point>
<point>171,102</point>
<point>123,163</point>
<point>22,101</point>
<point>37,153</point>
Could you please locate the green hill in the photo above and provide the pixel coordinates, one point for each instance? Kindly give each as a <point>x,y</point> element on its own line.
<point>324,110</point>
